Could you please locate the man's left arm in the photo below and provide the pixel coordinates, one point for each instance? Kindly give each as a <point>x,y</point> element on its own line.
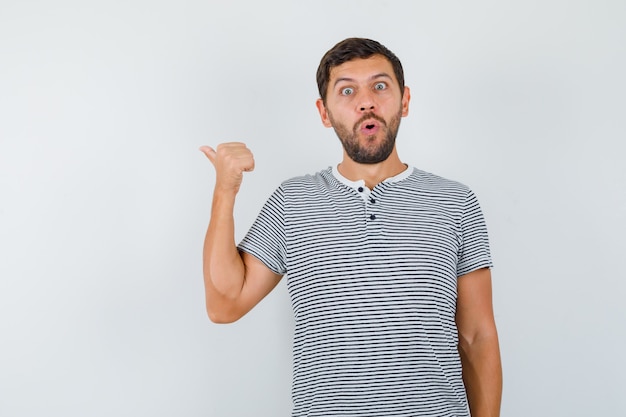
<point>478,343</point>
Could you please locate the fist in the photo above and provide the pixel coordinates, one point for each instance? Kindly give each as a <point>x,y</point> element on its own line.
<point>230,160</point>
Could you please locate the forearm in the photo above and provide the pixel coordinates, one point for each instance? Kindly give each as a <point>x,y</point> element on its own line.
<point>482,375</point>
<point>223,267</point>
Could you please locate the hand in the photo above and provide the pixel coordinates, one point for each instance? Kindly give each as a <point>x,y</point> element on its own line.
<point>230,160</point>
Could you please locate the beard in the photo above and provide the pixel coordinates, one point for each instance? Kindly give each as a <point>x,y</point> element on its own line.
<point>370,152</point>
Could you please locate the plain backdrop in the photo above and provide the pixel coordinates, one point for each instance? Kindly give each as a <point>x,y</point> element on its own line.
<point>105,198</point>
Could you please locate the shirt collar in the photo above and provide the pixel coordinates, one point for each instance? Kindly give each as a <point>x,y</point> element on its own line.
<point>361,183</point>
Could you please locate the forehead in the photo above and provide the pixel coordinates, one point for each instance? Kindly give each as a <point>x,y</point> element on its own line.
<point>362,69</point>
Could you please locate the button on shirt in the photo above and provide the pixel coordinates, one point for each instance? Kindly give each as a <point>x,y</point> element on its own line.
<point>365,192</point>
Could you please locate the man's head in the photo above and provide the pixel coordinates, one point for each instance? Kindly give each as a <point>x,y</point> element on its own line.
<point>363,98</point>
<point>348,50</point>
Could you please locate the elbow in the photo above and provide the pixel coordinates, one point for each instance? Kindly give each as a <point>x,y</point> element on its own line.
<point>486,335</point>
<point>221,308</point>
<point>220,319</point>
<point>218,316</point>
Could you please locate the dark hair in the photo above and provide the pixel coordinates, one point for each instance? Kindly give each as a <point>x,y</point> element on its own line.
<point>350,49</point>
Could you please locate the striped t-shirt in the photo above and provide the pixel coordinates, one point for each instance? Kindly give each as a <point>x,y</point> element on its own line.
<point>372,278</point>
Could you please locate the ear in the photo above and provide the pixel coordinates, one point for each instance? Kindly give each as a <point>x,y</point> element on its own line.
<point>323,113</point>
<point>406,97</point>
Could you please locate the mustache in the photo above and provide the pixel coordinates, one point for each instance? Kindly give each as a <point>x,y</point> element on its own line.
<point>368,116</point>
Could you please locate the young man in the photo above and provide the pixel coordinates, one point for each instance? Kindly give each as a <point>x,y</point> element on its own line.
<point>387,266</point>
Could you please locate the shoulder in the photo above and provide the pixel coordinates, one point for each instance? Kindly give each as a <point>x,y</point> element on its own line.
<point>428,179</point>
<point>302,188</point>
<point>428,184</point>
<point>321,179</point>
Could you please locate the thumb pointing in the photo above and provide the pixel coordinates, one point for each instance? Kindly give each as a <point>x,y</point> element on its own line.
<point>209,152</point>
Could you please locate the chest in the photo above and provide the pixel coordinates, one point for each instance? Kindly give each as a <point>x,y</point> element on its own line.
<point>389,247</point>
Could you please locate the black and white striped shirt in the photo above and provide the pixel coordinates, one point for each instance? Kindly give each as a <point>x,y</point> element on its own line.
<point>372,278</point>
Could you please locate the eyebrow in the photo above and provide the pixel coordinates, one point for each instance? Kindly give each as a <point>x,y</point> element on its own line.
<point>373,77</point>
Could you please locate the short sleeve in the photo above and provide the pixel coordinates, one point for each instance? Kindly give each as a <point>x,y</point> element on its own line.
<point>266,238</point>
<point>474,251</point>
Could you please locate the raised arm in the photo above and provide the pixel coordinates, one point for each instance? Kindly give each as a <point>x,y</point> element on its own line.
<point>234,282</point>
<point>478,344</point>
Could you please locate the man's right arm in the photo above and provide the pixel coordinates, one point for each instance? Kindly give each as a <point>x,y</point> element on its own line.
<point>234,282</point>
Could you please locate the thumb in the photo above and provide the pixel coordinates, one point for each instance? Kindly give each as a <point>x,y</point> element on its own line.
<point>209,152</point>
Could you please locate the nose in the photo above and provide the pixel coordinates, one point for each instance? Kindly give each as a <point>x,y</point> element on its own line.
<point>366,102</point>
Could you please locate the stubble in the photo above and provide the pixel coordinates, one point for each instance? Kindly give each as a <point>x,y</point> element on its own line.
<point>366,150</point>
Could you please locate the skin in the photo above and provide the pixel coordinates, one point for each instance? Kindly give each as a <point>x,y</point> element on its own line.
<point>361,92</point>
<point>478,344</point>
<point>234,282</point>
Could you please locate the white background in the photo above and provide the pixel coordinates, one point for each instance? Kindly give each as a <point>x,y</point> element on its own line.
<point>104,197</point>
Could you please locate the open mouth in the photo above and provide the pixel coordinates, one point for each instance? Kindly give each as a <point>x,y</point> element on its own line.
<point>369,127</point>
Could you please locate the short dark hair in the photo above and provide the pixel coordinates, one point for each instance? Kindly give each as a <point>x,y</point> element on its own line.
<point>349,49</point>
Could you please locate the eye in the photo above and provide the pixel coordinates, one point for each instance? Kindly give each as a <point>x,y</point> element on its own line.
<point>347,91</point>
<point>380,86</point>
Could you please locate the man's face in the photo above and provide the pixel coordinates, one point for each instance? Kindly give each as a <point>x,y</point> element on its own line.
<point>364,105</point>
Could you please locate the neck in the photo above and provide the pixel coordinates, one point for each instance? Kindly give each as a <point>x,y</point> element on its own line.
<point>372,174</point>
